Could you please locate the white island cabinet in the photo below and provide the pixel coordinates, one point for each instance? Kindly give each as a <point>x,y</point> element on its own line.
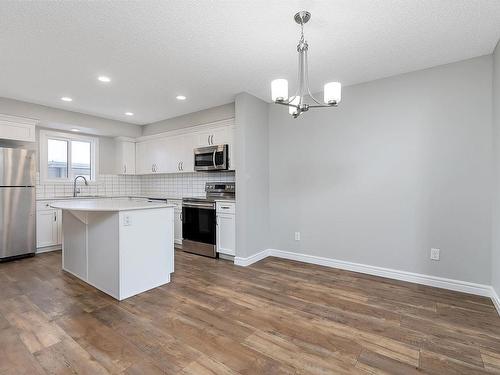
<point>121,247</point>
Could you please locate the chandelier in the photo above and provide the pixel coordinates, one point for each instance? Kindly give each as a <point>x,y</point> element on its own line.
<point>303,99</point>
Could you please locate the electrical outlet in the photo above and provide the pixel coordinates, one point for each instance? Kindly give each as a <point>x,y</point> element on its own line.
<point>435,254</point>
<point>297,236</point>
<point>126,221</point>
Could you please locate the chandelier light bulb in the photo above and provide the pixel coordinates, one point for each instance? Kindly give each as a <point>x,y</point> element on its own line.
<point>333,93</point>
<point>279,90</point>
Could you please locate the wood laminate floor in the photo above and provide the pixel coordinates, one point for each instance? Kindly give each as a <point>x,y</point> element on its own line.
<point>275,317</point>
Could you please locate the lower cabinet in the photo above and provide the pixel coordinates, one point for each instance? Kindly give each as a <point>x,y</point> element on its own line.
<point>48,226</point>
<point>226,228</point>
<point>177,221</point>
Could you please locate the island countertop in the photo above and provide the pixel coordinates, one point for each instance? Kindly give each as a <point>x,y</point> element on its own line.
<point>101,205</point>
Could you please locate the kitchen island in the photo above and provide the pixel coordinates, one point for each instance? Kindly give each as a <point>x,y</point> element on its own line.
<point>122,247</point>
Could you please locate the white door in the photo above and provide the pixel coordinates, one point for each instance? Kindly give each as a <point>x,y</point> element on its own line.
<point>173,147</point>
<point>216,136</point>
<point>125,157</point>
<point>188,146</point>
<point>178,226</point>
<point>47,232</point>
<point>162,160</point>
<point>144,158</point>
<point>226,236</point>
<point>150,156</point>
<point>128,157</point>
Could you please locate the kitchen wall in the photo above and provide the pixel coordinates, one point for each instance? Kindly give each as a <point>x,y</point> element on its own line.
<point>178,185</point>
<point>402,165</point>
<point>108,185</point>
<point>205,116</point>
<point>495,263</point>
<point>252,177</point>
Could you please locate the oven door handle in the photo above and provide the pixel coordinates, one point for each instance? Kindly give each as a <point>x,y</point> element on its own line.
<point>213,158</point>
<point>199,205</point>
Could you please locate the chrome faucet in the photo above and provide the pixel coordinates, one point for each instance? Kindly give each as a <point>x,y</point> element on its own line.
<point>75,190</point>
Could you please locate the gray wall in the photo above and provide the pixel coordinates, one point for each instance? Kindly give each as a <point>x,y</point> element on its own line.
<point>495,261</point>
<point>252,176</point>
<point>65,120</point>
<point>403,165</point>
<point>107,154</point>
<point>191,119</point>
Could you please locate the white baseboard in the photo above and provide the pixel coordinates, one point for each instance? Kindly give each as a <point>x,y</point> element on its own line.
<point>418,278</point>
<point>47,249</point>
<point>435,281</point>
<point>239,261</point>
<point>496,300</point>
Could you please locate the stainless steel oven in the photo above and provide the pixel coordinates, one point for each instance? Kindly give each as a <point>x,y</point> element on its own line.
<point>199,225</point>
<point>199,221</point>
<point>211,158</point>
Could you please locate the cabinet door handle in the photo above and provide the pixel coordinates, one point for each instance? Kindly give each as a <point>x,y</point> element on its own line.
<point>182,165</point>
<point>55,216</point>
<point>212,139</point>
<point>225,207</point>
<point>208,139</point>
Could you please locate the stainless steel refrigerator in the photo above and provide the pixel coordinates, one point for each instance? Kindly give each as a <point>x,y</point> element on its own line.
<point>17,203</point>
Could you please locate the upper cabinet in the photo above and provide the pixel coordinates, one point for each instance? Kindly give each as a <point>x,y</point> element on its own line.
<point>17,128</point>
<point>125,156</point>
<point>212,137</point>
<point>173,152</point>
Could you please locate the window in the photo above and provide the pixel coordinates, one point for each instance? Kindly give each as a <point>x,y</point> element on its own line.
<point>65,156</point>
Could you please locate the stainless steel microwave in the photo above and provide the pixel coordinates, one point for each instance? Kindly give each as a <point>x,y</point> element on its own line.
<point>211,158</point>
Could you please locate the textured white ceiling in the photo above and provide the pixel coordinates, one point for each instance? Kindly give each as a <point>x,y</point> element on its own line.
<point>212,50</point>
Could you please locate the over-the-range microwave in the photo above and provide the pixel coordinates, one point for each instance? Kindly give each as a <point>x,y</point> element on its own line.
<point>211,158</point>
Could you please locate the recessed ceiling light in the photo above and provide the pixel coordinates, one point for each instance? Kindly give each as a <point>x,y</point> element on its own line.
<point>104,79</point>
<point>129,113</point>
<point>180,97</point>
<point>66,99</point>
<point>75,130</point>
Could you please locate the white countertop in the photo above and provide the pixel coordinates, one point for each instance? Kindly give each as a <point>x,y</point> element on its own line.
<point>106,205</point>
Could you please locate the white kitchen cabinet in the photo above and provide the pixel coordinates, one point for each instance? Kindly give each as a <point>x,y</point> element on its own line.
<point>177,220</point>
<point>187,152</point>
<point>212,137</point>
<point>125,157</point>
<point>172,152</point>
<point>151,156</point>
<point>17,128</point>
<point>226,228</point>
<point>48,225</point>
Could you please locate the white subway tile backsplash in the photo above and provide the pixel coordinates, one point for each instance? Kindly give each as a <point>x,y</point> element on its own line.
<point>176,185</point>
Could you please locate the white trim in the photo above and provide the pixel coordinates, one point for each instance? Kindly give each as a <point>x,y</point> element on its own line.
<point>42,155</point>
<point>496,300</point>
<point>244,262</point>
<point>48,249</point>
<point>417,278</point>
<point>207,126</point>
